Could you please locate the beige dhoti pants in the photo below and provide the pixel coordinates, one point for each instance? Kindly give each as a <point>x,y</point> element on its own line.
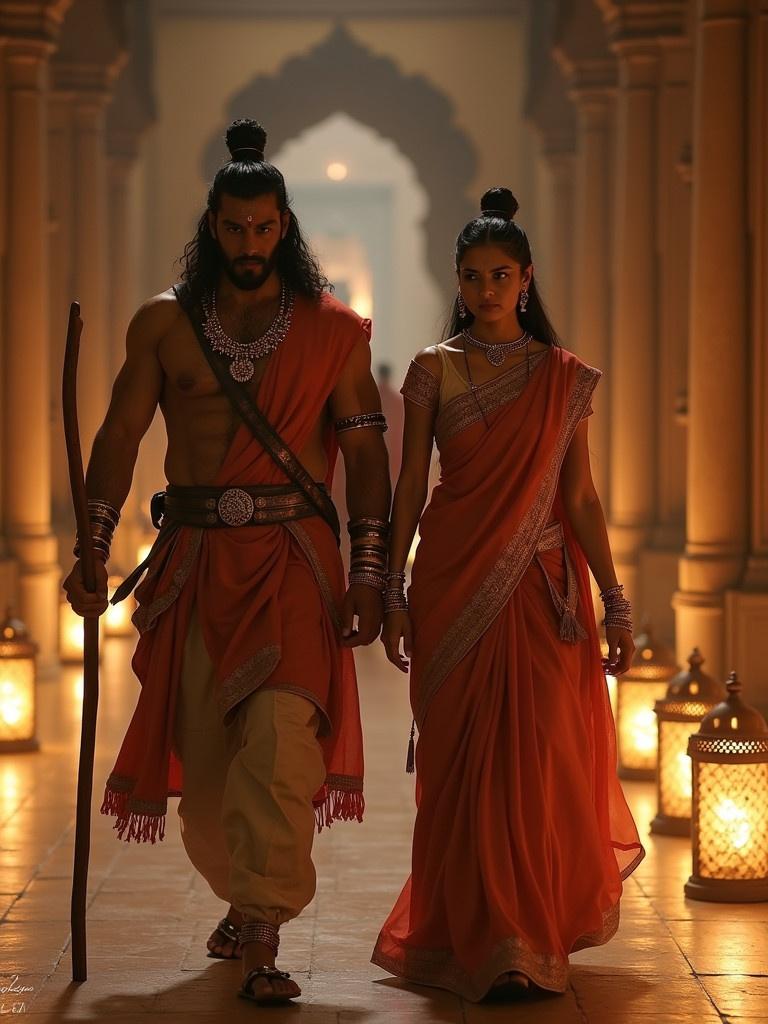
<point>247,820</point>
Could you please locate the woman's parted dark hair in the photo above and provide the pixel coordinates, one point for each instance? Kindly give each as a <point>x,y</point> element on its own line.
<point>245,176</point>
<point>496,226</point>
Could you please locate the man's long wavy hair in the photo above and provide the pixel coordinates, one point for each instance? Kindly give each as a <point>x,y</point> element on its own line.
<point>246,176</point>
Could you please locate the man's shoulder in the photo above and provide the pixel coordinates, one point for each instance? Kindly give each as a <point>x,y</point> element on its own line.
<point>155,317</point>
<point>338,316</point>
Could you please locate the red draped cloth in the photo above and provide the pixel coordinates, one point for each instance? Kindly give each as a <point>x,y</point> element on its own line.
<point>522,835</point>
<point>238,580</point>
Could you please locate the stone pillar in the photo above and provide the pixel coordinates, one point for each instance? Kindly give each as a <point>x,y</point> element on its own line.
<point>122,305</point>
<point>634,320</point>
<point>718,434</point>
<point>592,258</point>
<point>27,461</point>
<point>561,168</point>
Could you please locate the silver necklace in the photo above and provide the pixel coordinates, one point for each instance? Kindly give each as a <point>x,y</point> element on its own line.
<point>245,353</point>
<point>497,353</point>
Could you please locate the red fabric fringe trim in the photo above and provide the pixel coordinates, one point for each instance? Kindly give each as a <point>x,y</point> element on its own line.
<point>339,805</point>
<point>141,828</point>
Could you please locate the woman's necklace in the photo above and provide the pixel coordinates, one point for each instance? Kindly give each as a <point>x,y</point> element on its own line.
<point>473,386</point>
<point>245,353</point>
<point>497,353</point>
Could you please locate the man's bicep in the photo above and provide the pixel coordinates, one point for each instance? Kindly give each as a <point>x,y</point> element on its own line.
<point>356,391</point>
<point>138,386</point>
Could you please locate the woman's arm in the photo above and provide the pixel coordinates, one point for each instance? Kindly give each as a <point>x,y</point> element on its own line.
<point>410,497</point>
<point>585,514</point>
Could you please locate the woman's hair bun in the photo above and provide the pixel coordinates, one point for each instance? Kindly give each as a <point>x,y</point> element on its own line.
<point>246,140</point>
<point>499,202</point>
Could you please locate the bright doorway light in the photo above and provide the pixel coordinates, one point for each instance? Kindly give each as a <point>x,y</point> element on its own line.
<point>337,171</point>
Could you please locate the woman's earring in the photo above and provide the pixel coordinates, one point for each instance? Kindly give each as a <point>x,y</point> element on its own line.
<point>523,300</point>
<point>462,306</point>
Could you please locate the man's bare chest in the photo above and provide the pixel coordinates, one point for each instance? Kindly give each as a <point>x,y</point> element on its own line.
<point>187,372</point>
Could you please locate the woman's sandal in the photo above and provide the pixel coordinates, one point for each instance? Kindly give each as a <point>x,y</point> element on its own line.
<point>267,998</point>
<point>515,984</point>
<point>232,934</point>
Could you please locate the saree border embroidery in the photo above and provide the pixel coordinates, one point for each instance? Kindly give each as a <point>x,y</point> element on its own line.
<point>464,410</point>
<point>421,387</point>
<point>438,967</point>
<point>498,586</point>
<point>145,616</point>
<point>305,543</point>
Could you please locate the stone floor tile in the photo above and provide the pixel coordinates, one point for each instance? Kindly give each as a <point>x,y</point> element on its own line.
<point>738,996</point>
<point>622,990</point>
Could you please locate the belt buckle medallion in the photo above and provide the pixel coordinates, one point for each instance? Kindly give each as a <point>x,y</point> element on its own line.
<point>235,507</point>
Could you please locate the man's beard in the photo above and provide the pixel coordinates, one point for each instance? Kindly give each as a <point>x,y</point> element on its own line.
<point>248,274</point>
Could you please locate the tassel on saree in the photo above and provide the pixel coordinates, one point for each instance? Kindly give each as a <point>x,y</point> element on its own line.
<point>410,761</point>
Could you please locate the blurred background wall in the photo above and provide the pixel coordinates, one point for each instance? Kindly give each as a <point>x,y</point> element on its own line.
<point>633,133</point>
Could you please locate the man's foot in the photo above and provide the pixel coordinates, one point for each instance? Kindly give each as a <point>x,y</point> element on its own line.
<point>263,983</point>
<point>223,943</point>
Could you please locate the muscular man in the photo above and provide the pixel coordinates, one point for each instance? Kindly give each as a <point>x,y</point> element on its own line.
<point>248,708</point>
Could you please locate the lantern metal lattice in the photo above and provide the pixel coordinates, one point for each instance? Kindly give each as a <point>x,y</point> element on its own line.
<point>730,803</point>
<point>653,667</point>
<point>690,696</point>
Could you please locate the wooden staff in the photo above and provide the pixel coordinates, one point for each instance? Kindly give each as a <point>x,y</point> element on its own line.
<point>90,649</point>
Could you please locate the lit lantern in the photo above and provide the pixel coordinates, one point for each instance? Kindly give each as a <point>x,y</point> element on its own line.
<point>690,696</point>
<point>610,682</point>
<point>637,691</point>
<point>730,803</point>
<point>17,688</point>
<point>117,617</point>
<point>70,634</point>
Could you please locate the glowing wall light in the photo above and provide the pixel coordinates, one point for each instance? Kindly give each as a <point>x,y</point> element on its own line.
<point>337,171</point>
<point>17,688</point>
<point>730,803</point>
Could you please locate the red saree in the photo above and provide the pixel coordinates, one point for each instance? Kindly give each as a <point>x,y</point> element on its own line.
<point>522,835</point>
<point>238,580</point>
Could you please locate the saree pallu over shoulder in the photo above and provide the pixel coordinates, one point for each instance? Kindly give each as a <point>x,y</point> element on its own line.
<point>515,461</point>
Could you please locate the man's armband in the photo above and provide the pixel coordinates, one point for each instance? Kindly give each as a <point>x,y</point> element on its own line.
<point>369,538</point>
<point>363,419</point>
<point>104,519</point>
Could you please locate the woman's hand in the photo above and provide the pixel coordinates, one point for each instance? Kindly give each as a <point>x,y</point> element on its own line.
<point>397,627</point>
<point>621,648</point>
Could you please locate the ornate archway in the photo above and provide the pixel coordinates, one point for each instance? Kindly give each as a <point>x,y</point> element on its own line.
<point>340,74</point>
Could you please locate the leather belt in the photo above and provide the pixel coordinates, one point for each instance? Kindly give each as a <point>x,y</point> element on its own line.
<point>234,506</point>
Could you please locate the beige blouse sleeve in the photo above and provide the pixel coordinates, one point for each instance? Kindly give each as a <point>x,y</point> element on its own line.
<point>421,387</point>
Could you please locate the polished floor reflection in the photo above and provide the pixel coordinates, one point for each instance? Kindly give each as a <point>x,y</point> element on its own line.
<point>673,960</point>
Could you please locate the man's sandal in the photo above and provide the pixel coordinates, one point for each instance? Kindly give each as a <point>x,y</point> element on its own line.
<point>267,998</point>
<point>231,934</point>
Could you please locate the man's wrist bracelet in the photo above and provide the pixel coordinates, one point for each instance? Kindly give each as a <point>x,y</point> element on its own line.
<point>103,518</point>
<point>367,579</point>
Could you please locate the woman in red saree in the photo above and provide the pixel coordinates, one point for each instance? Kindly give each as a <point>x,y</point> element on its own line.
<point>522,836</point>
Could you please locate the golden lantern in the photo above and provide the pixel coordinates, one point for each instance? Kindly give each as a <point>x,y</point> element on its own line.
<point>690,696</point>
<point>637,691</point>
<point>17,688</point>
<point>117,617</point>
<point>610,681</point>
<point>730,803</point>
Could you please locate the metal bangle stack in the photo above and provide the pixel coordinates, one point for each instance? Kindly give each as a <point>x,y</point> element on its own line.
<point>394,593</point>
<point>104,519</point>
<point>369,537</point>
<point>618,610</point>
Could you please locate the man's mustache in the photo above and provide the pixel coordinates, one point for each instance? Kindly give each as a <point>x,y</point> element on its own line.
<point>248,261</point>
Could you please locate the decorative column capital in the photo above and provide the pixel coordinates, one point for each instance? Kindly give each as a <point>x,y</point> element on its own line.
<point>635,23</point>
<point>32,22</point>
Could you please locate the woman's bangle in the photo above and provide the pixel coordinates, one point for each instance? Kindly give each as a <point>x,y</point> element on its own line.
<point>395,600</point>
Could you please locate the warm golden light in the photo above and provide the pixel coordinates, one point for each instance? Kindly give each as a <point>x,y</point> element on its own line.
<point>17,688</point>
<point>337,171</point>
<point>70,634</point>
<point>117,618</point>
<point>730,803</point>
<point>142,553</point>
<point>637,732</point>
<point>675,769</point>
<point>733,821</point>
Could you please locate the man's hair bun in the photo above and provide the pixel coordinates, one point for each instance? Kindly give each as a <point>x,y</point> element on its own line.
<point>499,202</point>
<point>246,140</point>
